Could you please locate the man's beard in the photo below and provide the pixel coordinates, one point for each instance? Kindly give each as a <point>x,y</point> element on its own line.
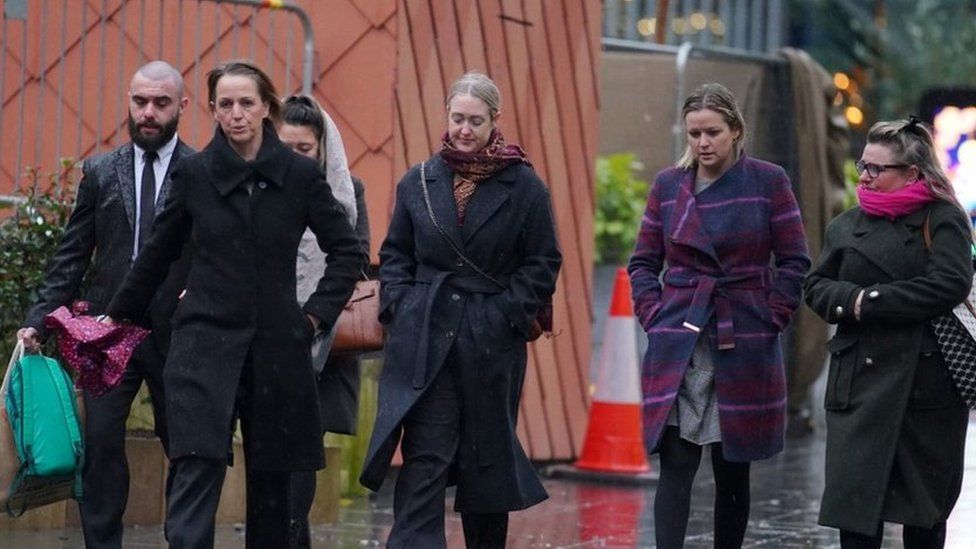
<point>153,142</point>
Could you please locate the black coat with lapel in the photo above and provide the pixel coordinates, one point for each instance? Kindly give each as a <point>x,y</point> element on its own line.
<point>243,222</point>
<point>98,240</point>
<point>432,301</point>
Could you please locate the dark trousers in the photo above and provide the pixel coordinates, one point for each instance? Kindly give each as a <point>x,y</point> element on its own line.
<point>195,494</point>
<point>431,433</point>
<point>301,498</point>
<point>191,509</point>
<point>105,479</point>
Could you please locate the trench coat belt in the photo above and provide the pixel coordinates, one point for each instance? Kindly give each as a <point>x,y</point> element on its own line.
<point>437,278</point>
<point>713,288</point>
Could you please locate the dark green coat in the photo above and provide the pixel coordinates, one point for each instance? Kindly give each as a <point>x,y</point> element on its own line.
<point>895,426</point>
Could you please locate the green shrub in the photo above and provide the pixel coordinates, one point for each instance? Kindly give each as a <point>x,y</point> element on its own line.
<point>31,227</point>
<point>620,201</point>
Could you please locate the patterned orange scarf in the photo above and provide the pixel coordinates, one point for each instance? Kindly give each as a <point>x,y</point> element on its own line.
<point>470,169</point>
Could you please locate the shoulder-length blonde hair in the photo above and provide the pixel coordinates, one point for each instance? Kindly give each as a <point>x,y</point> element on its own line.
<point>714,97</point>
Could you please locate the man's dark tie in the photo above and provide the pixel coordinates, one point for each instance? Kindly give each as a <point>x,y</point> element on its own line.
<point>147,200</point>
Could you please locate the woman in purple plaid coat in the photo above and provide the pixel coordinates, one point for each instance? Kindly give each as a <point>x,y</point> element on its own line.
<point>713,373</point>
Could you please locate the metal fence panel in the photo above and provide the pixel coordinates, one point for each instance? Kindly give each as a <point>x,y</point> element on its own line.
<point>66,64</point>
<point>750,25</point>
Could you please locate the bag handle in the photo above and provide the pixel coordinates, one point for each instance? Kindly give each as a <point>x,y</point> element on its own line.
<point>447,237</point>
<point>927,238</point>
<point>14,358</point>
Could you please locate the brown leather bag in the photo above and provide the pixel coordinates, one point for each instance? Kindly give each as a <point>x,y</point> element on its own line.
<point>358,328</point>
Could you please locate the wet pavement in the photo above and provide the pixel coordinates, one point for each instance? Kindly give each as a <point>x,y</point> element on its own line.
<point>785,496</point>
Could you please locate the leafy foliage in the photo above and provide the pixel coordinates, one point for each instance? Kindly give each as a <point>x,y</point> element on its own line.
<point>29,235</point>
<point>896,49</point>
<point>620,201</point>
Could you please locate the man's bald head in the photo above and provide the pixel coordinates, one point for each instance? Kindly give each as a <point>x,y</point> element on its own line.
<point>156,71</point>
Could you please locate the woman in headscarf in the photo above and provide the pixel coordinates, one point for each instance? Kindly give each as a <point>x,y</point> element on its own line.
<point>307,129</point>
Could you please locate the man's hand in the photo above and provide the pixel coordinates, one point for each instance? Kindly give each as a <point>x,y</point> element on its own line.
<point>31,339</point>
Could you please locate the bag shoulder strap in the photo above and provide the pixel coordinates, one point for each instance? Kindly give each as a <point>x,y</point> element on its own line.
<point>447,237</point>
<point>927,233</point>
<point>14,358</point>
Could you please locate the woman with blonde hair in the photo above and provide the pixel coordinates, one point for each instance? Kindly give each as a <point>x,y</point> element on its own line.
<point>468,262</point>
<point>716,276</point>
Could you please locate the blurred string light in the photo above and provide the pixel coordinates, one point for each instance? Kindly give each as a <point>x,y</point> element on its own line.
<point>692,24</point>
<point>841,81</point>
<point>679,26</point>
<point>854,115</point>
<point>847,92</point>
<point>646,26</point>
<point>717,26</point>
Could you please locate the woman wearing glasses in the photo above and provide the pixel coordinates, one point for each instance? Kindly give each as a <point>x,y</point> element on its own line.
<point>896,427</point>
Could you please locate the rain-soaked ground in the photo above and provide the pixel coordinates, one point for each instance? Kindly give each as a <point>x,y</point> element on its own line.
<point>785,495</point>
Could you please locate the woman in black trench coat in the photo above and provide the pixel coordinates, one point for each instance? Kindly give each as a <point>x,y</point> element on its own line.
<point>240,340</point>
<point>455,358</point>
<point>896,427</point>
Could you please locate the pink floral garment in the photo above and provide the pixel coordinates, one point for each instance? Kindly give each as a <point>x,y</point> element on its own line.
<point>98,353</point>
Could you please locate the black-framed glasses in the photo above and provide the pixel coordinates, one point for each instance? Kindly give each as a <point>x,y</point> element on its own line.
<point>874,170</point>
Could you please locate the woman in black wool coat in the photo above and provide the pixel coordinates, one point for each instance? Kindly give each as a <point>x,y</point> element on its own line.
<point>456,354</point>
<point>896,426</point>
<point>241,342</point>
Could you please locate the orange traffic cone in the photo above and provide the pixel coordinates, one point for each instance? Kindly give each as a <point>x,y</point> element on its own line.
<point>614,441</point>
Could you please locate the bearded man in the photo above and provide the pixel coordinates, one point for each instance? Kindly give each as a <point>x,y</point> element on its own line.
<point>118,197</point>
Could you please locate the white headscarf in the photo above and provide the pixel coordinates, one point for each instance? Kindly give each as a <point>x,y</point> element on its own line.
<point>337,168</point>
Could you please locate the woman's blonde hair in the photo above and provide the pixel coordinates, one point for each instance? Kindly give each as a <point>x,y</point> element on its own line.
<point>480,86</point>
<point>911,142</point>
<point>714,97</point>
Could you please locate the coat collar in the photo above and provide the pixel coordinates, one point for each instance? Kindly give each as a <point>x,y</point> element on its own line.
<point>181,149</point>
<point>489,196</point>
<point>125,175</point>
<point>885,243</point>
<point>688,228</point>
<point>440,186</point>
<point>228,169</point>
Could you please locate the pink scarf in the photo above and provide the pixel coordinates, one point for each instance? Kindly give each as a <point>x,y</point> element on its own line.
<point>894,204</point>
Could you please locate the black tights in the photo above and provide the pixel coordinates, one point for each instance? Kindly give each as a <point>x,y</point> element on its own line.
<point>672,503</point>
<point>913,537</point>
